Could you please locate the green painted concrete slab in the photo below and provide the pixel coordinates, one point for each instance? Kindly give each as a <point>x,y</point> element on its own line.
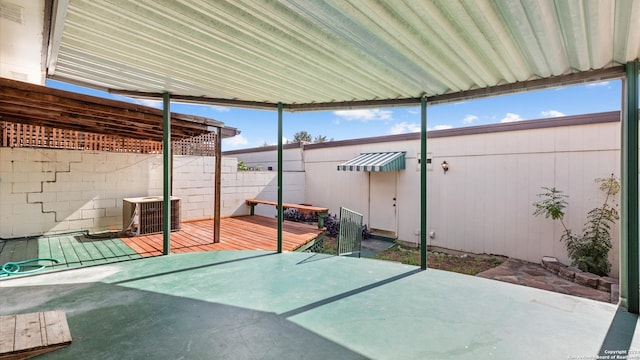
<point>70,251</point>
<point>262,305</point>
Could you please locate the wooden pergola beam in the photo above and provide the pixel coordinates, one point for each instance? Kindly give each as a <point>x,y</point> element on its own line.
<point>38,105</point>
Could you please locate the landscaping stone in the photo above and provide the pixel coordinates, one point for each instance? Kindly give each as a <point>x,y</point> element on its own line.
<point>552,264</point>
<point>605,283</point>
<point>534,275</point>
<point>567,273</point>
<point>615,293</point>
<point>586,279</point>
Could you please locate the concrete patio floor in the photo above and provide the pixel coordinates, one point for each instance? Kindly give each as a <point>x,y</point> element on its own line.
<point>262,305</point>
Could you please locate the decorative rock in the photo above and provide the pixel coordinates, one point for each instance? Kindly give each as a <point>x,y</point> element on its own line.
<point>552,264</point>
<point>568,273</point>
<point>615,293</point>
<point>586,279</point>
<point>605,283</point>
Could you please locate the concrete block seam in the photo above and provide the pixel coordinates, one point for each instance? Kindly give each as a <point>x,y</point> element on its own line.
<point>55,179</point>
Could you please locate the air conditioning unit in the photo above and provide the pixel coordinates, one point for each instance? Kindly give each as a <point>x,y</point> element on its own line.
<point>143,215</point>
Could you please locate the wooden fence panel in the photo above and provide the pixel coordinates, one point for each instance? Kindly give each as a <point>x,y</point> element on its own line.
<point>26,135</point>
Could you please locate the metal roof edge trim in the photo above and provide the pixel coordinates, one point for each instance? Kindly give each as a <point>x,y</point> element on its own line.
<point>614,72</point>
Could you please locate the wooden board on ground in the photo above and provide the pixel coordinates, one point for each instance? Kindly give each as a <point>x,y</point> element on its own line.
<point>24,336</point>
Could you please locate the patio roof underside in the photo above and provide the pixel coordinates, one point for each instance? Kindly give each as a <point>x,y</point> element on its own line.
<point>38,105</point>
<point>312,55</point>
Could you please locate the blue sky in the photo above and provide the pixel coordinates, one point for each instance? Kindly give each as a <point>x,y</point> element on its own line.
<point>260,127</point>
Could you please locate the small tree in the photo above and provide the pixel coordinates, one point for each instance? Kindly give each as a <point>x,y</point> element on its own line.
<point>242,166</point>
<point>590,251</point>
<point>321,139</point>
<point>301,136</point>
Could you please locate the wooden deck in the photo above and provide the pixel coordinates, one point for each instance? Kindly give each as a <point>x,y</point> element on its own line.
<point>236,233</point>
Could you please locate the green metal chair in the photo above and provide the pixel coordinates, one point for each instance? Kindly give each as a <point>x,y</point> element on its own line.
<point>350,235</point>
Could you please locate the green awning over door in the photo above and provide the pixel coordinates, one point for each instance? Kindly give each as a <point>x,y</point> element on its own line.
<point>378,161</point>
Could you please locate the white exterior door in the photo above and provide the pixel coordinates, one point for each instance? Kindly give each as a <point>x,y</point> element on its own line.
<point>382,203</point>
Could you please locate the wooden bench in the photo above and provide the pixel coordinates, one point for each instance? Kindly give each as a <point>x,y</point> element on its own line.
<point>320,211</point>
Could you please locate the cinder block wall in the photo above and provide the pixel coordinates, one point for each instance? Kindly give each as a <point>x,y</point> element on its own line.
<point>44,191</point>
<point>56,191</point>
<point>240,185</point>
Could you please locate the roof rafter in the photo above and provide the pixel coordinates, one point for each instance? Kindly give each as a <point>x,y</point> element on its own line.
<point>37,105</point>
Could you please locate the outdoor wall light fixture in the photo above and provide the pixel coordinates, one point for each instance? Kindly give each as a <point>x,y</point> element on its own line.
<point>445,167</point>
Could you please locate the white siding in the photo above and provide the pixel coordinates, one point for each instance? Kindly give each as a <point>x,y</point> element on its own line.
<point>484,202</point>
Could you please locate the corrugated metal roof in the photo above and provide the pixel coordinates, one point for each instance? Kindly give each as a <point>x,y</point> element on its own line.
<point>315,52</point>
<point>380,161</point>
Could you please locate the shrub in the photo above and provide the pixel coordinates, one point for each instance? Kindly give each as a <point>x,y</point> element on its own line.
<point>298,216</point>
<point>589,251</point>
<point>331,222</point>
<point>242,166</point>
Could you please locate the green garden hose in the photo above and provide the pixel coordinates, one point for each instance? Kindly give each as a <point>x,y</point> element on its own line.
<point>16,268</point>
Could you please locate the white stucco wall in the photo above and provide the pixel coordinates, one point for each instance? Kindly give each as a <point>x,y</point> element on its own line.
<point>46,191</point>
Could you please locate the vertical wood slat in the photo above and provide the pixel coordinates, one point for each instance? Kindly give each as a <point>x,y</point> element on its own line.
<point>7,333</point>
<point>27,333</point>
<point>56,327</point>
<point>4,139</point>
<point>27,135</point>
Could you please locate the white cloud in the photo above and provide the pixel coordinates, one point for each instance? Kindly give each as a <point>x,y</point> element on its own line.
<point>219,108</point>
<point>364,114</point>
<point>596,84</point>
<point>510,117</point>
<point>552,113</point>
<point>469,119</point>
<point>149,103</point>
<point>413,112</point>
<point>404,127</point>
<point>144,102</point>
<point>235,141</point>
<point>442,127</point>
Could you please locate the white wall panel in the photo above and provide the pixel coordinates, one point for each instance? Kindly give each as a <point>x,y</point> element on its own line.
<point>485,201</point>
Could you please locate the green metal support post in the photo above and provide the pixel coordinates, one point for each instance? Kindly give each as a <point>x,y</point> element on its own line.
<point>629,257</point>
<point>166,176</point>
<point>423,183</point>
<point>218,187</point>
<point>280,210</point>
